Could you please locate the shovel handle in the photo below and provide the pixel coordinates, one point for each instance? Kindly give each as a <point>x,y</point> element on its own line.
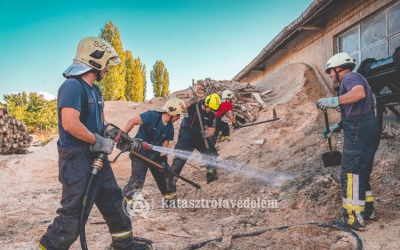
<point>327,130</point>
<point>160,167</point>
<point>201,122</point>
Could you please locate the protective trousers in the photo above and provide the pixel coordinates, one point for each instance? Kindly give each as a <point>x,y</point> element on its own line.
<point>220,126</point>
<point>361,140</point>
<point>74,172</point>
<point>189,141</point>
<point>139,170</point>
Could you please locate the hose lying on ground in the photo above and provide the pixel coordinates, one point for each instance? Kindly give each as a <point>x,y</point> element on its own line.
<point>236,236</point>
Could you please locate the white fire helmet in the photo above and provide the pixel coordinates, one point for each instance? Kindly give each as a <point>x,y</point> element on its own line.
<point>174,106</point>
<point>92,53</point>
<point>340,60</point>
<point>227,94</point>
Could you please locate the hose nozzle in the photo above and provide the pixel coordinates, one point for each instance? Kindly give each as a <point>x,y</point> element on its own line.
<point>147,146</point>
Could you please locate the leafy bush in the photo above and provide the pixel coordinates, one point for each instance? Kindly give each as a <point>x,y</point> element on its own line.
<point>35,111</point>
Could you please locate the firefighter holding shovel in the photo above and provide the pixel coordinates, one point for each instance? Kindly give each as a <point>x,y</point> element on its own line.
<point>193,135</point>
<point>361,139</point>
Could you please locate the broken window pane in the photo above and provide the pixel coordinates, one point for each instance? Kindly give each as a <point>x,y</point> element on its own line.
<point>394,42</point>
<point>373,30</point>
<point>394,19</point>
<point>377,52</point>
<point>348,42</point>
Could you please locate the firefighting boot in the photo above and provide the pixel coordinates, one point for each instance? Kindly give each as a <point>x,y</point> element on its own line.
<point>212,175</point>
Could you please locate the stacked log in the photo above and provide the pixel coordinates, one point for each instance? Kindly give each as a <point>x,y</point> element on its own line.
<point>14,137</point>
<point>249,101</point>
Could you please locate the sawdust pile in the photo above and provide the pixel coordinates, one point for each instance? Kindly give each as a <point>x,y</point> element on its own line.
<point>286,166</point>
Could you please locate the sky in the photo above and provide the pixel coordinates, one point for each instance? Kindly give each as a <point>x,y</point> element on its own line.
<point>195,39</point>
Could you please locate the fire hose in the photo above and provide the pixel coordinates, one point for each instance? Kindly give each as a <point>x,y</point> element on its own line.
<point>124,141</point>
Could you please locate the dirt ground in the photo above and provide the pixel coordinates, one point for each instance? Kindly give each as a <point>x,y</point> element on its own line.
<point>287,168</point>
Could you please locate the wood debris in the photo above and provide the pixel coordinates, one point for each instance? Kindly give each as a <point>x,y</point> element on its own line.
<point>249,101</point>
<point>14,138</point>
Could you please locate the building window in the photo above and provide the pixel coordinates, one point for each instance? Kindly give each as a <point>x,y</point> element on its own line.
<point>376,37</point>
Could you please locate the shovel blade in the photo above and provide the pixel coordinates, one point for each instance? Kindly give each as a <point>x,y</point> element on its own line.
<point>332,159</point>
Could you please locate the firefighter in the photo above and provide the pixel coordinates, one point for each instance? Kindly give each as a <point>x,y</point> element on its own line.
<point>80,124</point>
<point>361,138</point>
<point>156,128</point>
<point>226,110</point>
<point>191,137</point>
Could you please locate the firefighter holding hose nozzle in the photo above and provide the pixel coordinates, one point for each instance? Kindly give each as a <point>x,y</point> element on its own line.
<point>156,128</point>
<point>80,125</point>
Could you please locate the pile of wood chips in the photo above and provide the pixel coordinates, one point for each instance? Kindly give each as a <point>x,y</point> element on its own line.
<point>249,102</point>
<point>14,139</point>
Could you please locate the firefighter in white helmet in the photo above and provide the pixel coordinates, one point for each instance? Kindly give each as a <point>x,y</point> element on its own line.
<point>156,128</point>
<point>80,124</point>
<point>226,110</point>
<point>361,139</point>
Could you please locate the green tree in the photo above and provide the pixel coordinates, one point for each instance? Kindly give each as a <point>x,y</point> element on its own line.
<point>17,104</point>
<point>165,83</point>
<point>160,78</point>
<point>129,76</point>
<point>113,84</point>
<point>33,110</point>
<point>144,81</point>
<point>135,78</point>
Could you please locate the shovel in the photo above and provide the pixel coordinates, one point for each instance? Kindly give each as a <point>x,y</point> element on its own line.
<point>331,158</point>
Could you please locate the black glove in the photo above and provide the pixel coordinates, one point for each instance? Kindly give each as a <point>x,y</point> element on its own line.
<point>137,144</point>
<point>163,161</point>
<point>236,125</point>
<point>102,144</point>
<point>240,119</point>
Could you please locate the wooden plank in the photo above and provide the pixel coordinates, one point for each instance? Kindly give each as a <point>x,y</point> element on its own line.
<point>258,142</point>
<point>253,103</point>
<point>266,92</point>
<point>258,98</point>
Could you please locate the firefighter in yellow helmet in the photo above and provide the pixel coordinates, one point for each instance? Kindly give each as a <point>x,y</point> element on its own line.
<point>190,138</point>
<point>155,127</point>
<point>226,110</point>
<point>80,124</point>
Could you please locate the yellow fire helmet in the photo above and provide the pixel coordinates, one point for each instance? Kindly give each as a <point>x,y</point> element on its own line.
<point>174,106</point>
<point>228,94</point>
<point>213,101</point>
<point>92,53</point>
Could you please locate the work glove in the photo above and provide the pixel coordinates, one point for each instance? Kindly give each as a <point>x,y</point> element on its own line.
<point>205,134</point>
<point>137,144</point>
<point>102,144</point>
<point>163,161</point>
<point>240,119</point>
<point>331,102</point>
<point>236,125</point>
<point>193,100</point>
<point>332,129</point>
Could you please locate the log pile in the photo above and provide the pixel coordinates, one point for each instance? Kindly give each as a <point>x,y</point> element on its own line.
<point>249,102</point>
<point>14,137</point>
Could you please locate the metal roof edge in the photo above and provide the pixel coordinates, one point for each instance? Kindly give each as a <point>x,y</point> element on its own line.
<point>312,9</point>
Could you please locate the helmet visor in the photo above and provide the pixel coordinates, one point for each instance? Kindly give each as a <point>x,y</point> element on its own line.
<point>76,68</point>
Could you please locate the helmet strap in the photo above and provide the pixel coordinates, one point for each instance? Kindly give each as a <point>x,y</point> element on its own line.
<point>97,73</point>
<point>337,73</point>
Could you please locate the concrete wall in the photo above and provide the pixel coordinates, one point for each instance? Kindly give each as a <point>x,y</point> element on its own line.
<point>316,47</point>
